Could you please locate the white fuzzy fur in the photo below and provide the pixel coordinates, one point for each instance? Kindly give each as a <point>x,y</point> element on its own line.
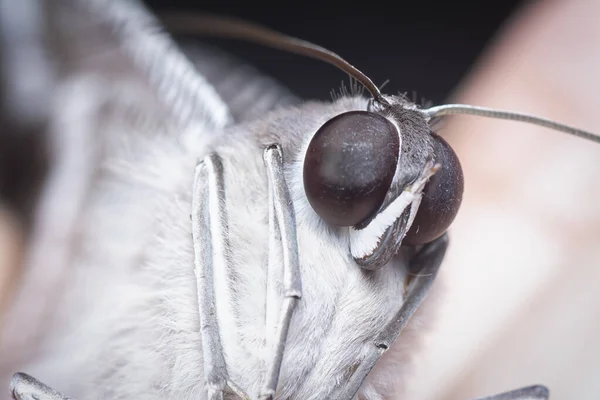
<point>122,321</point>
<point>126,325</point>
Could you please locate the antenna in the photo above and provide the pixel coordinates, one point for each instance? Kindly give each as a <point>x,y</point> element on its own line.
<point>465,109</point>
<point>220,26</point>
<point>208,24</point>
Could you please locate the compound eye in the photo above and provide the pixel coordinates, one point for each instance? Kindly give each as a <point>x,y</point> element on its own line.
<point>441,199</point>
<point>349,166</point>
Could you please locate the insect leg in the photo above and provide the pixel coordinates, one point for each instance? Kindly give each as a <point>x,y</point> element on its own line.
<point>210,246</point>
<point>427,261</point>
<point>283,223</point>
<point>536,392</point>
<point>26,387</point>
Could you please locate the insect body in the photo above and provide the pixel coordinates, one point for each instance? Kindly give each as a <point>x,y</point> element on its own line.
<point>277,256</point>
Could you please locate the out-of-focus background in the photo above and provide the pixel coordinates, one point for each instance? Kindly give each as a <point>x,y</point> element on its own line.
<point>518,293</point>
<point>418,46</point>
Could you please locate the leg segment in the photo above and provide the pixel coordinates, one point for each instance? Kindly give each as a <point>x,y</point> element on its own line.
<point>210,239</point>
<point>427,261</point>
<point>215,371</point>
<point>283,224</point>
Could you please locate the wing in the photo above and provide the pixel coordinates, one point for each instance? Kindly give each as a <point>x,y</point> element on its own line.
<point>85,59</point>
<point>247,93</point>
<point>97,101</point>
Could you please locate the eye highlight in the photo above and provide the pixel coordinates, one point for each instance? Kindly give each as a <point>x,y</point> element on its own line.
<point>349,166</point>
<point>442,197</point>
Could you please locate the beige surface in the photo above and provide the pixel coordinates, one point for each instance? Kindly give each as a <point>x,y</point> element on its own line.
<point>523,271</point>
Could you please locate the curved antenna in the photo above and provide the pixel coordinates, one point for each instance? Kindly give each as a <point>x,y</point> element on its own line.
<point>208,24</point>
<point>453,109</point>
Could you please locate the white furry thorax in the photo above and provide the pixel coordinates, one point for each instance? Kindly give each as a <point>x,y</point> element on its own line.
<point>126,326</point>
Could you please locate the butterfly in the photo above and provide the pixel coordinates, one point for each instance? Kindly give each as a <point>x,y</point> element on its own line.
<point>193,241</point>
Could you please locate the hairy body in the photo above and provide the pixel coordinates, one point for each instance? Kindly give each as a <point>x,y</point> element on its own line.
<point>118,315</point>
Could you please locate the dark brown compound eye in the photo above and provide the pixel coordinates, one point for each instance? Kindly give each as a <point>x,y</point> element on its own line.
<point>442,197</point>
<point>349,166</point>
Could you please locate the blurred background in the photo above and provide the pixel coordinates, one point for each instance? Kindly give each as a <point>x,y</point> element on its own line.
<point>418,46</point>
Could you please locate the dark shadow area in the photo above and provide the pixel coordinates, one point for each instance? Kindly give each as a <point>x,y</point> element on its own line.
<point>420,47</point>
